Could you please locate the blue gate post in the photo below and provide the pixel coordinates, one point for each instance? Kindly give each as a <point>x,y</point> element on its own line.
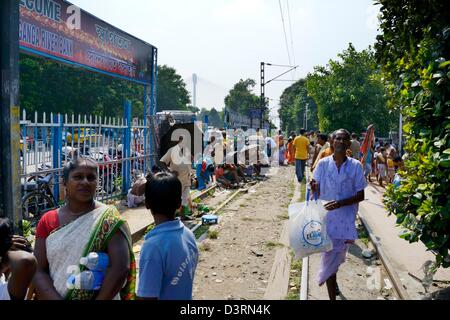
<point>57,150</point>
<point>126,165</point>
<point>145,132</point>
<point>152,94</point>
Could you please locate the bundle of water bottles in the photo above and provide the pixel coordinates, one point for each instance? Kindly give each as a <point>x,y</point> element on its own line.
<point>92,278</point>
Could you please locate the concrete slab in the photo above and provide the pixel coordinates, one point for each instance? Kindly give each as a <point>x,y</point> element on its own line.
<point>404,256</point>
<point>138,220</point>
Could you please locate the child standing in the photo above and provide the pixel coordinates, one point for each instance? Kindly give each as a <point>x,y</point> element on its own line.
<point>391,165</point>
<point>381,166</point>
<point>169,255</point>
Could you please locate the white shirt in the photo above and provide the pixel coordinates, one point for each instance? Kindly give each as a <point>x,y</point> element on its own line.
<point>4,293</point>
<point>337,185</point>
<point>180,162</point>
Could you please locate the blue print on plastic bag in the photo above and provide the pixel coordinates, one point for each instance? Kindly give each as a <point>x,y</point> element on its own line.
<point>312,233</point>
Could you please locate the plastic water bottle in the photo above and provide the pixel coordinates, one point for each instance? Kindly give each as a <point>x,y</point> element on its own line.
<point>87,280</point>
<point>95,261</point>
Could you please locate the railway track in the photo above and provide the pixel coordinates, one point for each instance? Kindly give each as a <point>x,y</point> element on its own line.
<point>360,278</point>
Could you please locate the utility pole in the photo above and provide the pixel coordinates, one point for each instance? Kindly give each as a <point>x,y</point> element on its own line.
<point>264,83</point>
<point>263,92</point>
<point>306,116</point>
<point>9,112</point>
<point>194,91</point>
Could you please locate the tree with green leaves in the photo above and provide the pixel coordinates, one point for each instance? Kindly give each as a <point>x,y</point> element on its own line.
<point>47,86</point>
<point>215,119</point>
<point>293,103</point>
<point>171,90</point>
<point>349,94</point>
<point>241,98</point>
<point>414,51</point>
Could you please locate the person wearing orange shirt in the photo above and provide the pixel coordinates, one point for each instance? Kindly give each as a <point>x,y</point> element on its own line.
<point>301,147</point>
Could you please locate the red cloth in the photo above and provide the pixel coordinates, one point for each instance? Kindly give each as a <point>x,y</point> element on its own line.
<point>219,173</point>
<point>47,224</point>
<point>203,166</point>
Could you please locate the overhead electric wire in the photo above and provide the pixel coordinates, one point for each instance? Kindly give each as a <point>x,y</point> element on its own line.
<point>292,36</point>
<point>284,30</point>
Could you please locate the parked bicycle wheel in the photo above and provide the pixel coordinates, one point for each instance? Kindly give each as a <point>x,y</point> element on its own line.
<point>35,204</point>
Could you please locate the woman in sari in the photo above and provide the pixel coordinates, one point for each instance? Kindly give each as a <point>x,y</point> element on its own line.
<point>82,226</point>
<point>290,153</point>
<point>368,152</point>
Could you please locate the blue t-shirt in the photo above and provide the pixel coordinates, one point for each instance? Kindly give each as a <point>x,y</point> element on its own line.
<point>168,261</point>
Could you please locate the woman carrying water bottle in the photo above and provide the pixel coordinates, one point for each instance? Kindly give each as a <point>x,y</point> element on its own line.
<point>83,226</point>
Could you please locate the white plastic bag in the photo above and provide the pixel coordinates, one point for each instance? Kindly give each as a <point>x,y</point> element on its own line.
<point>308,229</point>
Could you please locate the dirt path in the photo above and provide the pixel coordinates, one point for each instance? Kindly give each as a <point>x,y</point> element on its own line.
<point>237,264</point>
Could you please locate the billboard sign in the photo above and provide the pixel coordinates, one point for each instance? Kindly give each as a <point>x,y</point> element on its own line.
<point>60,30</point>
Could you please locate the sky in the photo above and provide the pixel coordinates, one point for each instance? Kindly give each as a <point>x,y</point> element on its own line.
<point>223,41</point>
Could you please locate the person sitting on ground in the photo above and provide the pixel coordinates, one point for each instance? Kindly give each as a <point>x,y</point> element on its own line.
<point>169,254</point>
<point>136,195</point>
<point>17,263</point>
<point>220,177</point>
<point>232,173</point>
<point>65,235</point>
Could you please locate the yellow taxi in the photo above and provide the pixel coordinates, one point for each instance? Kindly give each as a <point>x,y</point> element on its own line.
<point>82,136</point>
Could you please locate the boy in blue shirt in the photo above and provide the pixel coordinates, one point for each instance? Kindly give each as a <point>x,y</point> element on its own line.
<point>169,255</point>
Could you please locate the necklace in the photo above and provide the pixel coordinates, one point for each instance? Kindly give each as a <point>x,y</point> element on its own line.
<point>77,215</point>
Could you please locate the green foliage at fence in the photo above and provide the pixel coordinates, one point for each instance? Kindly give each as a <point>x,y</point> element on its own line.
<point>414,51</point>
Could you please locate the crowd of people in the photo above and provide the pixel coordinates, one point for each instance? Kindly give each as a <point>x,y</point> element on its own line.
<point>341,167</point>
<point>382,160</point>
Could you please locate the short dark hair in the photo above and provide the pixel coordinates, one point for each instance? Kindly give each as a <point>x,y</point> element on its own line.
<point>6,234</point>
<point>75,164</point>
<point>341,130</point>
<point>163,193</point>
<point>323,137</point>
<point>302,131</point>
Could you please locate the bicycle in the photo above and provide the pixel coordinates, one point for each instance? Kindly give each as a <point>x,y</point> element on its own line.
<point>39,198</point>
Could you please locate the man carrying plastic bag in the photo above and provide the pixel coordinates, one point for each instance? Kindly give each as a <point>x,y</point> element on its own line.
<point>340,183</point>
<point>308,230</point>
